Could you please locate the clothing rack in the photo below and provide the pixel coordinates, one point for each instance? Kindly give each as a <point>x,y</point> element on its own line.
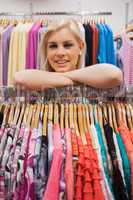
<point>68,94</point>
<point>77,13</point>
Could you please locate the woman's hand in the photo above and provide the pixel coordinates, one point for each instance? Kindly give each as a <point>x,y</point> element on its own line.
<point>37,79</point>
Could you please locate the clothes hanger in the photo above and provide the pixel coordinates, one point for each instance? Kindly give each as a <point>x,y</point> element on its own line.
<point>38,110</point>
<point>16,115</point>
<point>123,113</point>
<point>56,114</point>
<point>90,108</point>
<point>81,124</point>
<point>100,116</point>
<point>6,114</point>
<point>29,117</point>
<point>66,116</point>
<point>11,114</point>
<point>105,113</point>
<point>95,113</point>
<point>85,119</point>
<point>26,114</point>
<point>62,116</point>
<point>129,117</point>
<point>48,114</point>
<point>131,111</point>
<point>87,116</point>
<point>71,117</point>
<point>110,115</point>
<point>75,120</point>
<point>118,113</point>
<point>33,116</point>
<point>21,115</point>
<point>114,118</point>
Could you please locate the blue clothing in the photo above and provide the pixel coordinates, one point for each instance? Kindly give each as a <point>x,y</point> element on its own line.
<point>110,50</point>
<point>101,52</point>
<point>125,163</point>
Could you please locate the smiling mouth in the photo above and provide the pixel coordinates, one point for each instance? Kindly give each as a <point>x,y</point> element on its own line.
<point>62,62</point>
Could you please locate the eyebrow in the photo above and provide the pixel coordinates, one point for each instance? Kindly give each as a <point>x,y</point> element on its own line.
<point>53,42</point>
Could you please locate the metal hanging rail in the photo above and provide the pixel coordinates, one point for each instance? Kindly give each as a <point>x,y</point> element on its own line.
<point>83,13</point>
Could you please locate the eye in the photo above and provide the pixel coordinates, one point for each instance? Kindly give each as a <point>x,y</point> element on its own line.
<point>53,46</point>
<point>68,45</point>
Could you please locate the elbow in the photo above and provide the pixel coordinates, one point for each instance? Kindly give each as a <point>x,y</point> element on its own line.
<point>117,77</point>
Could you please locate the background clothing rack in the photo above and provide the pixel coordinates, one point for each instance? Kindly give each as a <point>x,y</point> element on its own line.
<point>83,13</point>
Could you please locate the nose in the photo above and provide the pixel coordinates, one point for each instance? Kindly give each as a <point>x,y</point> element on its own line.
<point>60,51</point>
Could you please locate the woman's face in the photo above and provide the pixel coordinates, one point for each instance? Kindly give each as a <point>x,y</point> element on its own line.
<point>63,50</point>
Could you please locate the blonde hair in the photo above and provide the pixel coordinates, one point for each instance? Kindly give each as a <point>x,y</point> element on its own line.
<point>73,26</point>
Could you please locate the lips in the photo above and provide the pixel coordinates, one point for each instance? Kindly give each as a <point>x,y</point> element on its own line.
<point>62,61</point>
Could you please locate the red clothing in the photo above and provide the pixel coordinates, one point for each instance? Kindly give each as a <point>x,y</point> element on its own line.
<point>126,137</point>
<point>69,174</point>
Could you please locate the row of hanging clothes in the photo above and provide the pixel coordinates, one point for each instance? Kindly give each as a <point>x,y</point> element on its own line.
<point>72,150</point>
<point>20,45</point>
<point>124,53</point>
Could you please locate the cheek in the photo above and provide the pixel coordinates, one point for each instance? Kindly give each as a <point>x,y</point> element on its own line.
<point>74,55</point>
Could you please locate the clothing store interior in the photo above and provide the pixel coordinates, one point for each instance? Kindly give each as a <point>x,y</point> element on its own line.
<point>66,141</point>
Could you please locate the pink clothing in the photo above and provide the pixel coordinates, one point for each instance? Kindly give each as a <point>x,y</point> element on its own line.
<point>126,56</point>
<point>53,184</point>
<point>31,52</point>
<point>69,174</point>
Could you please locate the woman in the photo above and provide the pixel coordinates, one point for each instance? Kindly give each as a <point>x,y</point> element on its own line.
<point>62,50</point>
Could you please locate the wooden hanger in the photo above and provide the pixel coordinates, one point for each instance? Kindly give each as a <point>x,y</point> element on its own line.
<point>21,115</point>
<point>81,124</point>
<point>131,111</point>
<point>85,119</point>
<point>110,115</point>
<point>33,116</point>
<point>66,116</point>
<point>62,116</point>
<point>129,117</point>
<point>56,114</point>
<point>115,125</point>
<point>48,114</point>
<point>95,113</point>
<point>90,108</point>
<point>26,114</point>
<point>29,117</point>
<point>11,114</point>
<point>16,115</point>
<point>75,114</point>
<point>71,117</point>
<point>124,113</point>
<point>87,116</point>
<point>100,116</point>
<point>105,113</point>
<point>6,113</point>
<point>38,110</point>
<point>118,113</point>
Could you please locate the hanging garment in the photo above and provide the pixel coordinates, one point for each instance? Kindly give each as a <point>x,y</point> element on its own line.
<point>101,53</point>
<point>5,35</point>
<point>125,163</point>
<point>88,39</point>
<point>31,53</point>
<point>127,61</point>
<point>52,188</point>
<point>69,174</point>
<point>119,189</point>
<point>110,50</point>
<point>124,131</point>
